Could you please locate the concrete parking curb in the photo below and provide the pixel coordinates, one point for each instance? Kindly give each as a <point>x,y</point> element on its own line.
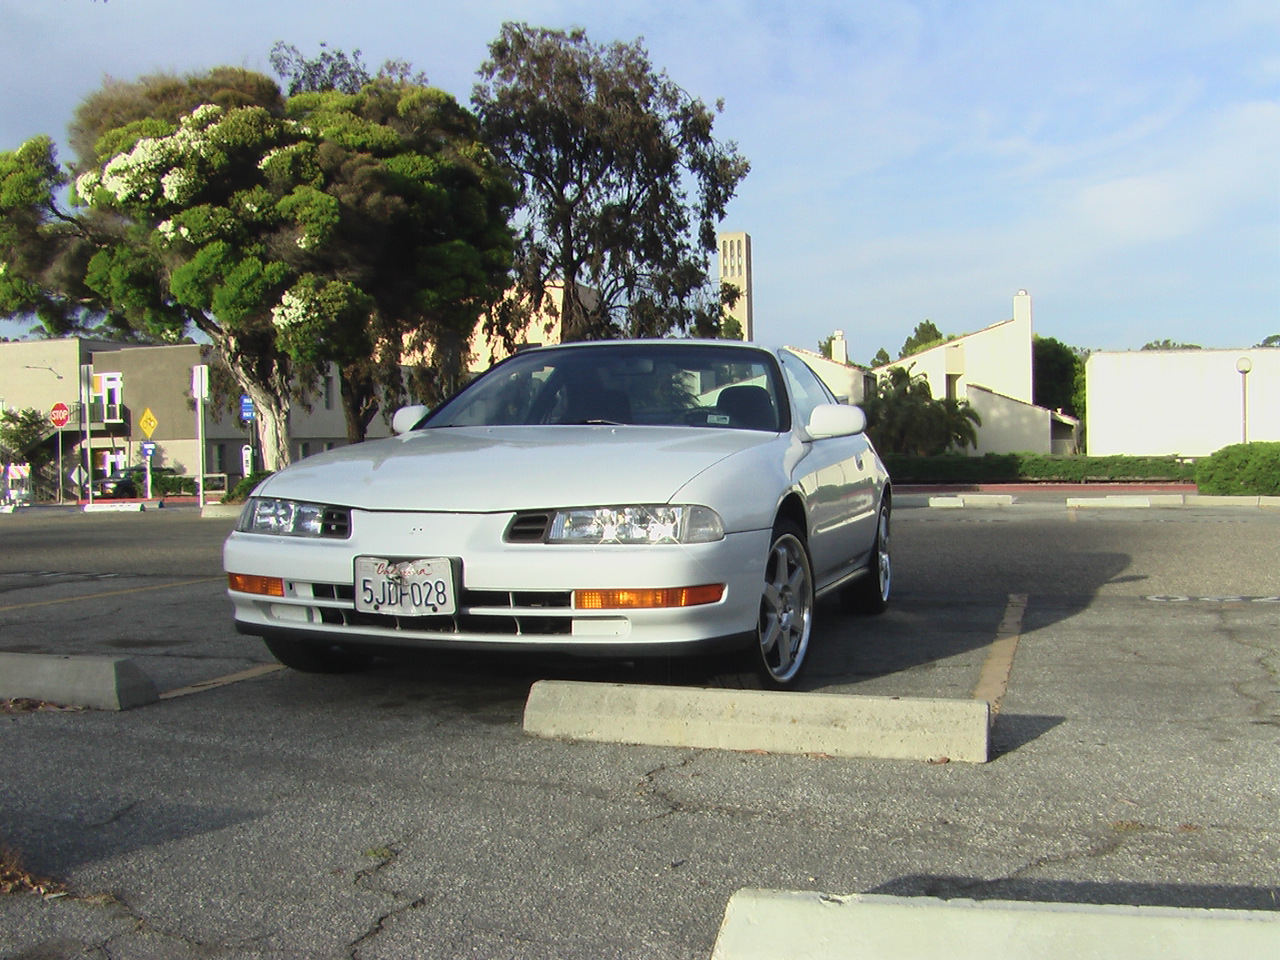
<point>131,506</point>
<point>800,925</point>
<point>221,509</point>
<point>837,725</point>
<point>103,683</point>
<point>972,500</point>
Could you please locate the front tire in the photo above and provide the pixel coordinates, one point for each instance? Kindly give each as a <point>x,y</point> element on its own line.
<point>317,657</point>
<point>786,608</point>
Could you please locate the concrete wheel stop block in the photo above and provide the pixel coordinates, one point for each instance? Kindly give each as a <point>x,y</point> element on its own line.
<point>805,925</point>
<point>103,683</point>
<point>906,728</point>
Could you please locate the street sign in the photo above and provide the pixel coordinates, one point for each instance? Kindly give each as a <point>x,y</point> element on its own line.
<point>246,407</point>
<point>148,423</point>
<point>78,476</point>
<point>200,381</point>
<point>148,449</point>
<point>60,415</point>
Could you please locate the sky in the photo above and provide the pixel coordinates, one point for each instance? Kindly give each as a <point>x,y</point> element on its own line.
<point>910,159</point>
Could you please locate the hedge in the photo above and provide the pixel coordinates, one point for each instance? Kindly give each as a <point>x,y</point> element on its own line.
<point>1038,468</point>
<point>240,492</point>
<point>1242,469</point>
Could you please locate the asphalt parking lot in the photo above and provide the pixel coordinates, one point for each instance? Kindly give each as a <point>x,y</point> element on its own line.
<point>1133,654</point>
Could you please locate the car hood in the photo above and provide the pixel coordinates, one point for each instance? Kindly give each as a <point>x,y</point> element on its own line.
<point>485,469</point>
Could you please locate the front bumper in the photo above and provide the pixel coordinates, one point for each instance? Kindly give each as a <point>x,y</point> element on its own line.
<point>510,596</point>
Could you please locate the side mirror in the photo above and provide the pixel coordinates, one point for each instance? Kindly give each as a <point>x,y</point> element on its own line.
<point>836,420</point>
<point>406,418</point>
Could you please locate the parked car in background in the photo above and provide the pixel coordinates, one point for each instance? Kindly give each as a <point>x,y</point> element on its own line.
<point>128,483</point>
<point>625,498</point>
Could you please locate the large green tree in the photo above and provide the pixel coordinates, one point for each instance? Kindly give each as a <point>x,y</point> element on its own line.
<point>329,228</point>
<point>622,182</point>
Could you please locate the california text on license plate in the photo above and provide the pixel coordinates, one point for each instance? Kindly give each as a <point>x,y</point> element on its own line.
<point>405,588</point>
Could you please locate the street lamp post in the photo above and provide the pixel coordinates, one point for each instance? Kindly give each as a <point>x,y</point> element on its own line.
<point>1244,365</point>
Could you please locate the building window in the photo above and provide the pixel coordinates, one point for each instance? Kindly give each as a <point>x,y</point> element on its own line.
<point>304,449</point>
<point>219,458</point>
<point>328,393</point>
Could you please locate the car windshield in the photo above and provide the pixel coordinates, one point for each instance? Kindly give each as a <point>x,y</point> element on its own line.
<point>653,384</point>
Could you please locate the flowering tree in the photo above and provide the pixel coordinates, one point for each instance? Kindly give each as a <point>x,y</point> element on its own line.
<point>341,228</point>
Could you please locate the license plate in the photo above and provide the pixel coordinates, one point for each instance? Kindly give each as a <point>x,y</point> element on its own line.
<point>405,588</point>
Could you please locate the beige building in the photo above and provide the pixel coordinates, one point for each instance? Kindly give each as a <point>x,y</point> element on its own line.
<point>1181,402</point>
<point>120,396</point>
<point>992,369</point>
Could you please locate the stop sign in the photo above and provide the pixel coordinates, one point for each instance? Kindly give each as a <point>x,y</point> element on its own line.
<point>59,415</point>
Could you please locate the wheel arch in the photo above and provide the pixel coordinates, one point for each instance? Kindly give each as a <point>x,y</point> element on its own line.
<point>792,508</point>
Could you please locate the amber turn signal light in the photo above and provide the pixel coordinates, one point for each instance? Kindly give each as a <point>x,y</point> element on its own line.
<point>648,598</point>
<point>250,583</point>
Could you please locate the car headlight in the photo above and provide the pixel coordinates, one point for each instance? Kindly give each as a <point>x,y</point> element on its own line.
<point>640,523</point>
<point>289,518</point>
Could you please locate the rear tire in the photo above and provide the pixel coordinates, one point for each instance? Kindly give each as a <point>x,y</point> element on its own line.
<point>311,657</point>
<point>870,592</point>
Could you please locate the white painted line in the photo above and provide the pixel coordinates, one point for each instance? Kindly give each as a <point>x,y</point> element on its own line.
<point>794,723</point>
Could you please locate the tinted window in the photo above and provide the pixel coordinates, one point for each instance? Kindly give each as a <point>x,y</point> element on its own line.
<point>657,384</point>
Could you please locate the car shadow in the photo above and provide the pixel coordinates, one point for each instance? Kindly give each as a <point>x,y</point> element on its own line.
<point>1200,896</point>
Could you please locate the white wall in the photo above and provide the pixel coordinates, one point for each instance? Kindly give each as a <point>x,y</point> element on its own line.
<point>1009,426</point>
<point>1179,402</point>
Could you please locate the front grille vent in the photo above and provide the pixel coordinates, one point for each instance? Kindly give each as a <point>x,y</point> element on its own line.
<point>529,527</point>
<point>336,522</point>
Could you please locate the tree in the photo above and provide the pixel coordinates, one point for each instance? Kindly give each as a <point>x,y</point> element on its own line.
<point>605,150</point>
<point>904,418</point>
<point>462,250</point>
<point>334,228</point>
<point>1170,345</point>
<point>334,70</point>
<point>1271,341</point>
<point>881,358</point>
<point>925,335</point>
<point>1055,369</point>
<point>22,436</point>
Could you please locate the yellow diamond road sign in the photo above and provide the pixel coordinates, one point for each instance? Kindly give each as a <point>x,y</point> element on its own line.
<point>148,423</point>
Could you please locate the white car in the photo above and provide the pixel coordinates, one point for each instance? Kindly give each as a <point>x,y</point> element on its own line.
<point>621,498</point>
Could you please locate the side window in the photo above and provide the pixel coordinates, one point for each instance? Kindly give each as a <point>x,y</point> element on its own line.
<point>806,389</point>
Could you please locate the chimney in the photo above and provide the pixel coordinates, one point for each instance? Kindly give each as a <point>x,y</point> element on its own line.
<point>1022,307</point>
<point>839,347</point>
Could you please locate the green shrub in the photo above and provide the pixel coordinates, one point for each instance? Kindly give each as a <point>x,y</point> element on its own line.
<point>240,492</point>
<point>1241,469</point>
<point>172,485</point>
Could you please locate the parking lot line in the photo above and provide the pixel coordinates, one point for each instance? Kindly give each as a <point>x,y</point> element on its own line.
<point>993,680</point>
<point>109,593</point>
<point>261,670</point>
